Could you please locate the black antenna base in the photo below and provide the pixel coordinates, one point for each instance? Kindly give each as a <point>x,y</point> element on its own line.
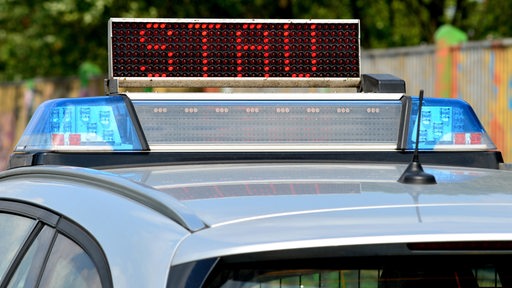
<point>414,174</point>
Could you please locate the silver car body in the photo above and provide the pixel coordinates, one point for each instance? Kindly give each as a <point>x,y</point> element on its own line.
<point>248,208</point>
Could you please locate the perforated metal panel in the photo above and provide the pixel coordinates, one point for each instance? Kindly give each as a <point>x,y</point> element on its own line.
<point>268,125</point>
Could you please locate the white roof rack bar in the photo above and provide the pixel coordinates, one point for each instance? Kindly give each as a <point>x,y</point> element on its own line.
<point>181,82</point>
<point>192,96</point>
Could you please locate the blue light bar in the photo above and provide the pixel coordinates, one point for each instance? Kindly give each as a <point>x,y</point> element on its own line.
<point>447,124</point>
<point>111,123</point>
<point>83,124</point>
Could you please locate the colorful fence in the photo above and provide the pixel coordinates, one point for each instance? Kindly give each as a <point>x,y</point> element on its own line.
<point>478,72</point>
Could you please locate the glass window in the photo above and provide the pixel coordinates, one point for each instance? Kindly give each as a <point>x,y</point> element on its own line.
<point>28,271</point>
<point>13,232</point>
<point>303,279</point>
<point>69,266</point>
<point>411,272</point>
<point>42,249</point>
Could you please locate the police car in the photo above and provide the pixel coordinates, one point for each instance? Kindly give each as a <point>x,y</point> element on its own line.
<point>373,188</point>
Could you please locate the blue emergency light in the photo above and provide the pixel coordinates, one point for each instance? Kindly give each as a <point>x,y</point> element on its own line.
<point>83,124</point>
<point>448,124</point>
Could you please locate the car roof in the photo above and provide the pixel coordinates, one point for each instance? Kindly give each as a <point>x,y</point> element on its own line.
<point>240,209</point>
<point>210,187</point>
<point>263,207</point>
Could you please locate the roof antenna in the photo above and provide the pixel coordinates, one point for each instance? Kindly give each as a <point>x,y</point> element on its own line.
<point>414,173</point>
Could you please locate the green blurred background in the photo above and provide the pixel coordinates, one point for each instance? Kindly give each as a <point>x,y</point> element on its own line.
<point>53,38</point>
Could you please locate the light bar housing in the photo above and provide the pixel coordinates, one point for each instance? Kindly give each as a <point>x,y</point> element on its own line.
<point>233,53</point>
<point>249,122</point>
<point>271,125</point>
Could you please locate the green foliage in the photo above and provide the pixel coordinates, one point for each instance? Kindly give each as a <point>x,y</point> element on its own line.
<point>491,20</point>
<point>52,38</point>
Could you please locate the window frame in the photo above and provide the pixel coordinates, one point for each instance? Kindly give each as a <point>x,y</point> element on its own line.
<point>62,225</point>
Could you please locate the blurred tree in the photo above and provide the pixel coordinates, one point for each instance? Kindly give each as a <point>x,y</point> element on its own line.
<point>49,38</point>
<point>491,20</point>
<point>53,37</point>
